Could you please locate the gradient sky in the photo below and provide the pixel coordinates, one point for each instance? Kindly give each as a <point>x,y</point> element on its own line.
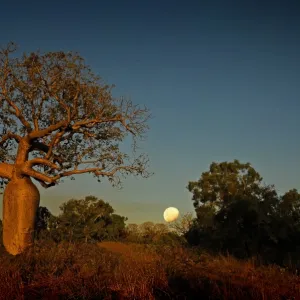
<point>222,79</point>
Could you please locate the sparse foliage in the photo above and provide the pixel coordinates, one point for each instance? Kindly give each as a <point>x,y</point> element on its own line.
<point>54,108</point>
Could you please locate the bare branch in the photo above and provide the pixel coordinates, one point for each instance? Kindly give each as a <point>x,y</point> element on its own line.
<point>112,173</point>
<point>44,184</point>
<point>40,161</point>
<point>88,162</point>
<point>74,172</point>
<point>35,120</point>
<point>46,149</point>
<point>54,142</point>
<point>92,122</point>
<point>97,171</point>
<point>75,102</point>
<point>37,175</point>
<point>56,97</point>
<point>4,95</point>
<point>16,111</point>
<point>9,136</point>
<point>44,132</point>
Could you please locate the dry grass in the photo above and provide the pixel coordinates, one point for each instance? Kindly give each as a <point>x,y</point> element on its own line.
<point>113,270</point>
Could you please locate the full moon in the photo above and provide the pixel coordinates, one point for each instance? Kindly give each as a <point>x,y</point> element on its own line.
<point>171,214</point>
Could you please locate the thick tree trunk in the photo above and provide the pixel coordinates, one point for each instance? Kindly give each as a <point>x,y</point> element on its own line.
<point>20,203</point>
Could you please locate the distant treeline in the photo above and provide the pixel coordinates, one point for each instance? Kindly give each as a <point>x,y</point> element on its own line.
<point>239,215</point>
<point>235,214</point>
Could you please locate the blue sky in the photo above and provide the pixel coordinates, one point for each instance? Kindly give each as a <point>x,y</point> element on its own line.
<point>221,79</point>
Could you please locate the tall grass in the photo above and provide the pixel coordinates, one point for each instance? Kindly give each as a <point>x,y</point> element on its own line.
<point>114,270</point>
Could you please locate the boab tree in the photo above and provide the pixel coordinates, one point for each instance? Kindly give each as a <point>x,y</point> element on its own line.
<point>58,119</point>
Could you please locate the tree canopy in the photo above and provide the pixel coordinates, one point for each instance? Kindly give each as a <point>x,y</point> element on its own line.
<point>223,182</point>
<point>59,119</point>
<point>237,213</point>
<point>88,219</point>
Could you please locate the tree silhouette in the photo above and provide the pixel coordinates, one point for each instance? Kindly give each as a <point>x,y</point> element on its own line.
<point>237,213</point>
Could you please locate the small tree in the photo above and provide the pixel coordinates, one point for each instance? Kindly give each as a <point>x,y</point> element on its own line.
<point>57,120</point>
<point>133,233</point>
<point>151,232</point>
<point>183,224</point>
<point>88,219</point>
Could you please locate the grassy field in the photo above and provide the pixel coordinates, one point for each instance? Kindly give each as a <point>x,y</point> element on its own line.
<point>113,270</point>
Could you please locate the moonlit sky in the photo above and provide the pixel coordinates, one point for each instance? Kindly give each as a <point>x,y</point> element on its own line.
<point>221,78</point>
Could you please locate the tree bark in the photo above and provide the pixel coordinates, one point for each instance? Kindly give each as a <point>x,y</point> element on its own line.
<point>20,203</point>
